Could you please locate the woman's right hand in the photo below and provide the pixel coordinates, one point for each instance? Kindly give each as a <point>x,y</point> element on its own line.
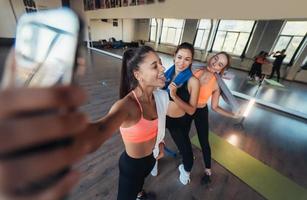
<point>161,150</point>
<point>19,131</point>
<point>173,89</point>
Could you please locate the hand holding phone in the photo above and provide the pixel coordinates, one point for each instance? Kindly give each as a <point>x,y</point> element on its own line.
<point>45,55</point>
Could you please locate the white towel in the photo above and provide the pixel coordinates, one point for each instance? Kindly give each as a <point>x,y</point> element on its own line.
<point>162,100</point>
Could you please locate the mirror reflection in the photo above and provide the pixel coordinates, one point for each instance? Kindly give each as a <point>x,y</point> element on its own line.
<point>272,52</point>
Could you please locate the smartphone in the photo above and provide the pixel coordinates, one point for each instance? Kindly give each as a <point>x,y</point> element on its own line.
<point>46,46</point>
<point>45,49</point>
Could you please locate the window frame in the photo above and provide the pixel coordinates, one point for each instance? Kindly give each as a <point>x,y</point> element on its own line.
<point>181,34</point>
<point>150,26</point>
<point>202,38</point>
<point>298,48</point>
<point>231,31</point>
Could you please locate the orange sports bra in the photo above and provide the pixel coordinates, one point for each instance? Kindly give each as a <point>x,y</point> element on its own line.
<point>205,91</point>
<point>142,131</point>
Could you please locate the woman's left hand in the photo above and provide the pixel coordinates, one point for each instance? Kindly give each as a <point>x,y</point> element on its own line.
<point>238,114</point>
<point>161,151</point>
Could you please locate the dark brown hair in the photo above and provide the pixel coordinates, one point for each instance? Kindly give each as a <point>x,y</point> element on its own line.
<point>186,45</point>
<point>131,60</point>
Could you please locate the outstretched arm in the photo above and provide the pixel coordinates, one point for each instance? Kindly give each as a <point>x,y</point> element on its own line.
<point>100,131</point>
<point>215,105</point>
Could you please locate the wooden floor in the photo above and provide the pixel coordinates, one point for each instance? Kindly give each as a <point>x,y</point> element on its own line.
<point>278,140</point>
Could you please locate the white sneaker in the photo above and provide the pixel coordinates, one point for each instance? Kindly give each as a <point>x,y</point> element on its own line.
<point>184,176</point>
<point>154,171</point>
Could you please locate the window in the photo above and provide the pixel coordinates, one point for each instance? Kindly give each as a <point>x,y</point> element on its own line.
<point>232,36</point>
<point>153,30</point>
<point>290,38</point>
<point>172,31</point>
<point>202,35</point>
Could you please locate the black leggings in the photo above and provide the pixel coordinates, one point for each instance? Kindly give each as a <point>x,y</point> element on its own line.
<point>277,69</point>
<point>179,129</point>
<point>255,69</point>
<point>132,174</point>
<point>202,126</point>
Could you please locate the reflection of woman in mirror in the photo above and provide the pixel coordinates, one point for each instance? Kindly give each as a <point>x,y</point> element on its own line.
<point>125,2</point>
<point>118,3</point>
<point>133,3</point>
<point>209,88</point>
<point>279,57</point>
<point>135,115</point>
<point>183,93</point>
<point>256,69</point>
<point>107,4</point>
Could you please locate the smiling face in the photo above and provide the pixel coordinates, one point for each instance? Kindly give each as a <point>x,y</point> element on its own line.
<point>151,71</point>
<point>183,59</point>
<point>217,63</point>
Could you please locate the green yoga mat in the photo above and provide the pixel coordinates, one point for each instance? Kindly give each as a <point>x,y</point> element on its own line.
<point>253,82</point>
<point>270,84</point>
<point>273,82</point>
<point>268,182</point>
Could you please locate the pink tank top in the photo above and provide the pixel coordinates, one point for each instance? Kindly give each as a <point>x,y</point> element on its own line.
<point>142,131</point>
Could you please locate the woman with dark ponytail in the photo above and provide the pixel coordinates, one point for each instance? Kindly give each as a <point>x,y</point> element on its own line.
<point>135,114</point>
<point>127,80</point>
<point>183,90</point>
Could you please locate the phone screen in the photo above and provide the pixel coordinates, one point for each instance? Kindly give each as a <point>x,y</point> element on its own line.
<point>45,48</point>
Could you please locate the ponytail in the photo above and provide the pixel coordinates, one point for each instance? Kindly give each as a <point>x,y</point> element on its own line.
<point>124,87</point>
<point>131,60</point>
